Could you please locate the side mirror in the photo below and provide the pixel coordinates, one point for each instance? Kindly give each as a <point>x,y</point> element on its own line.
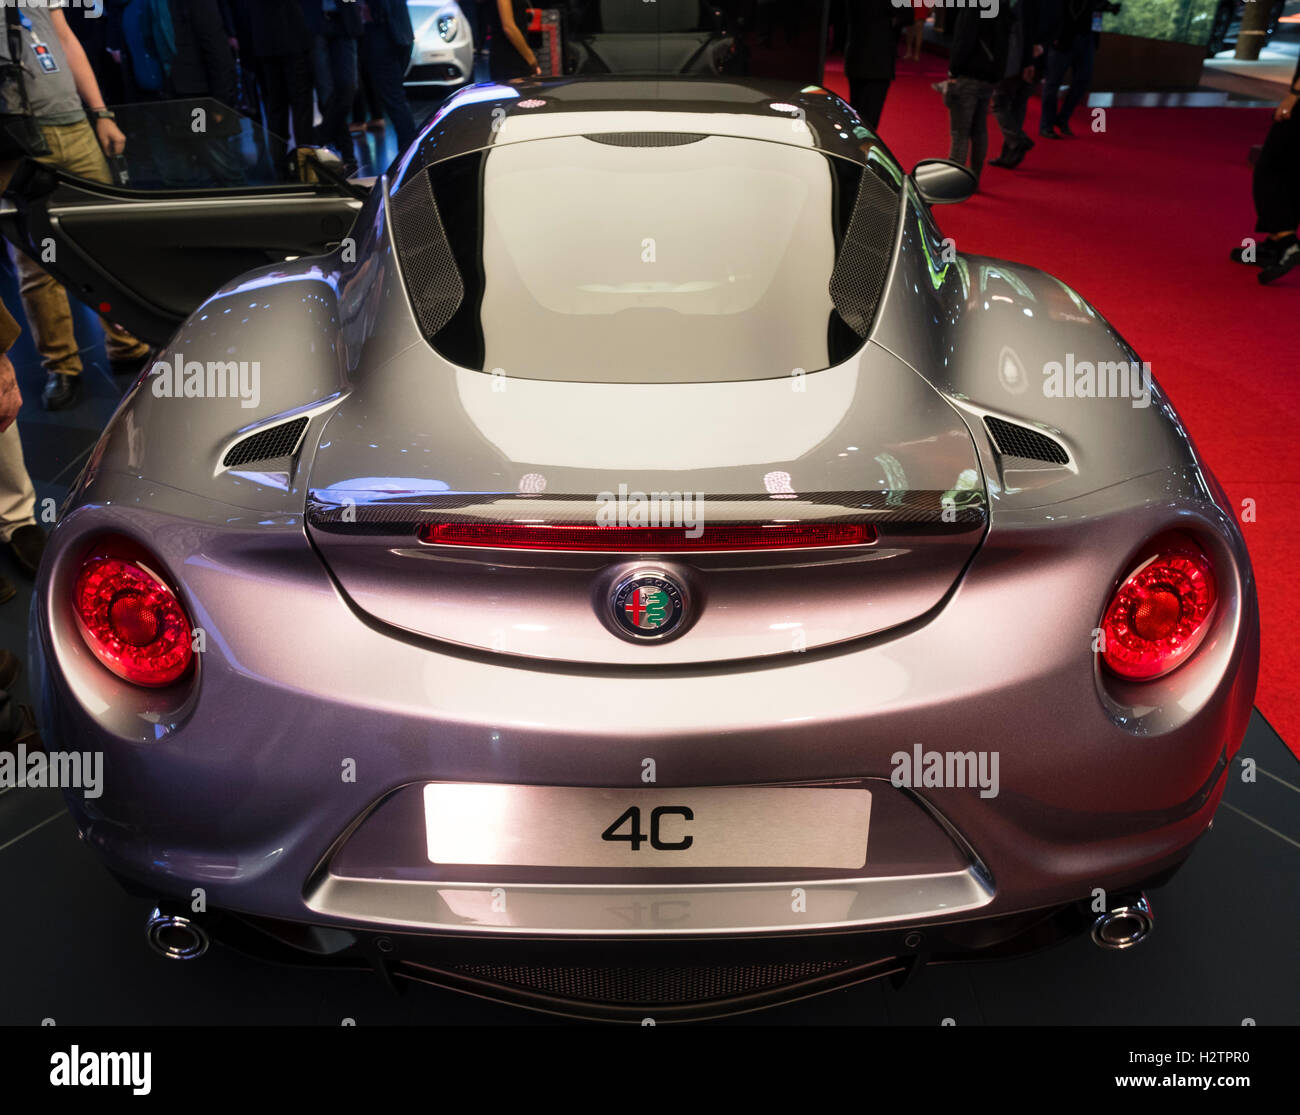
<point>943,182</point>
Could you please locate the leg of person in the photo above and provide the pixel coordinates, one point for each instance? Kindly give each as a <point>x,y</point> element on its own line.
<point>297,68</point>
<point>18,527</point>
<point>80,154</point>
<point>959,120</point>
<point>1019,109</point>
<point>1058,61</point>
<point>343,64</point>
<point>322,74</point>
<point>275,91</point>
<point>1081,56</point>
<point>48,312</point>
<point>1004,94</point>
<point>867,97</point>
<point>979,128</point>
<point>386,71</point>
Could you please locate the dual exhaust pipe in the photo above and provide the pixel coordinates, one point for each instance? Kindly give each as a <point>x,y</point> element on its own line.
<point>1124,925</point>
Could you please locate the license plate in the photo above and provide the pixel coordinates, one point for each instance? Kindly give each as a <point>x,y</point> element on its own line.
<point>730,826</point>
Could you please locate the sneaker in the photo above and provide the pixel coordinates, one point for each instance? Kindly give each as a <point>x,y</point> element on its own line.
<point>1267,252</point>
<point>1289,259</point>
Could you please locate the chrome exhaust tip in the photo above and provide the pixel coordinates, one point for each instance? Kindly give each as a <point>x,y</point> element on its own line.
<point>174,936</point>
<point>1124,926</point>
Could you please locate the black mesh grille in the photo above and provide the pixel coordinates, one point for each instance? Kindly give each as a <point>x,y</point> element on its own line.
<point>266,445</point>
<point>651,985</point>
<point>1020,441</point>
<point>432,280</point>
<point>859,276</point>
<point>645,139</point>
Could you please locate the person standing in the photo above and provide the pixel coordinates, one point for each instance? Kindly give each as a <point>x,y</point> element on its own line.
<point>1011,95</point>
<point>1276,190</point>
<point>1070,46</point>
<point>874,27</point>
<point>509,55</point>
<point>335,29</point>
<point>386,42</point>
<point>977,63</point>
<point>62,89</point>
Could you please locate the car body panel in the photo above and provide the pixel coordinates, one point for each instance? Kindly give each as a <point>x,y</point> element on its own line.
<point>343,670</point>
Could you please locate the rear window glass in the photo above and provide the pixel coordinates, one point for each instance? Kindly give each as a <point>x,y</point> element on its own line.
<point>605,259</point>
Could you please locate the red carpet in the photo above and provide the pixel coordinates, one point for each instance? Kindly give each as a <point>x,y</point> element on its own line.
<point>1139,219</point>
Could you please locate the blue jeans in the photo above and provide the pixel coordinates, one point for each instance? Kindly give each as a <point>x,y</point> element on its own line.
<point>1076,58</point>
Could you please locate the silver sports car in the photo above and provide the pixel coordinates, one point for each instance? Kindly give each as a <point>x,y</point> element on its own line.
<point>638,566</point>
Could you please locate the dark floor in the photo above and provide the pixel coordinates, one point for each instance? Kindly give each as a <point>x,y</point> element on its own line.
<point>1223,949</point>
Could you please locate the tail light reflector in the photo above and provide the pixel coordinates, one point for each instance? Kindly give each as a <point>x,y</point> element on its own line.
<point>1160,614</point>
<point>130,619</point>
<point>646,540</point>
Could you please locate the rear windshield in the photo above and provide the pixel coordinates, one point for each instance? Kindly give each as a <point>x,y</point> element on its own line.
<point>604,259</point>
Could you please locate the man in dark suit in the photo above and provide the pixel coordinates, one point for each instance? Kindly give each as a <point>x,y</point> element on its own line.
<point>874,27</point>
<point>335,29</point>
<point>386,53</point>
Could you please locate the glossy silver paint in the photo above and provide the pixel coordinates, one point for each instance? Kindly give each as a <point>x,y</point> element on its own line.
<point>418,666</point>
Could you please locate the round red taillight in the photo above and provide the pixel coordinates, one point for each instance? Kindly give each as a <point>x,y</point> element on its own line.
<point>1160,614</point>
<point>130,620</point>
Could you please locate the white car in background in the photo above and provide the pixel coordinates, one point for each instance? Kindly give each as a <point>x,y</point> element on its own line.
<point>443,52</point>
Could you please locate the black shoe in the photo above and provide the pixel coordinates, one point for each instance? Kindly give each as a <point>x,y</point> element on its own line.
<point>1064,128</point>
<point>27,544</point>
<point>7,591</point>
<point>1022,149</point>
<point>1003,160</point>
<point>1049,133</point>
<point>1289,259</point>
<point>61,391</point>
<point>1267,252</point>
<point>10,668</point>
<point>134,366</point>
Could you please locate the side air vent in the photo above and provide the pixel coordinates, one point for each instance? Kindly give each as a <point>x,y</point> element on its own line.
<point>271,444</point>
<point>1021,441</point>
<point>863,265</point>
<point>645,139</point>
<point>432,279</point>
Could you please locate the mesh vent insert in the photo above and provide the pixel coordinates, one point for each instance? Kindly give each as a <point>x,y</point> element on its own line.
<point>1020,441</point>
<point>266,445</point>
<point>863,264</point>
<point>645,139</point>
<point>428,265</point>
<point>631,986</point>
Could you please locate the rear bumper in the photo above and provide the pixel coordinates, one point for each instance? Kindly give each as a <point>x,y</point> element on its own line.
<point>660,980</point>
<point>304,717</point>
